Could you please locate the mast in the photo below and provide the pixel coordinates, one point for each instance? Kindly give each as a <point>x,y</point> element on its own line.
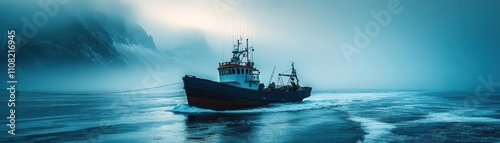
<point>294,73</point>
<point>291,76</point>
<point>246,50</point>
<point>240,53</point>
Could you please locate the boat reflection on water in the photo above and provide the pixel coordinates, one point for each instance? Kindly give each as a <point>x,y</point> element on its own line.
<point>220,127</point>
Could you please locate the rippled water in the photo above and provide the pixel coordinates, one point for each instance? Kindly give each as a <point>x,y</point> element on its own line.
<point>409,116</point>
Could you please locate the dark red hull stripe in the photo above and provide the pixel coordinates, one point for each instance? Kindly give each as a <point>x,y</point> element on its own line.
<point>218,104</point>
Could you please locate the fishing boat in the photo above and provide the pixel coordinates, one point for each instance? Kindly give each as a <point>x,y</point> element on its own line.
<point>239,85</point>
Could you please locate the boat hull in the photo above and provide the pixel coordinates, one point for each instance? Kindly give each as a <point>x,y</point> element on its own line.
<point>209,94</point>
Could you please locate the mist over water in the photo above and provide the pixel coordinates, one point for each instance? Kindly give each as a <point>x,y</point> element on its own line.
<point>440,46</point>
<point>93,46</point>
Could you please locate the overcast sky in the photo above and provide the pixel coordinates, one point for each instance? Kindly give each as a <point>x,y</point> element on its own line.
<point>426,44</point>
<point>336,44</point>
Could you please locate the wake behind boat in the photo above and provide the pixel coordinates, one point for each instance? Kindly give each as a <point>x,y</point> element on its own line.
<point>239,85</point>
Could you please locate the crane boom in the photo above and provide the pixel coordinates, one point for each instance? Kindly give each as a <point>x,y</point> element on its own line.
<point>272,75</point>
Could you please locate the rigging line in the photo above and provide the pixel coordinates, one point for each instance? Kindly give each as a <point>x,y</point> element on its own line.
<point>99,93</point>
<point>232,27</point>
<point>287,70</point>
<point>240,33</point>
<point>246,29</point>
<point>223,41</point>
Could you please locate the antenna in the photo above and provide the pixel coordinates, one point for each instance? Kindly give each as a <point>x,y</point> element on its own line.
<point>232,27</point>
<point>240,26</point>
<point>246,25</point>
<point>223,41</point>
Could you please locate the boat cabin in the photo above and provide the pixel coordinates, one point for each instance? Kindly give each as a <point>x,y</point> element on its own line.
<point>239,72</point>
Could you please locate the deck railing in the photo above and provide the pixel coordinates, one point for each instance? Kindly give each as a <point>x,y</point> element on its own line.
<point>237,63</point>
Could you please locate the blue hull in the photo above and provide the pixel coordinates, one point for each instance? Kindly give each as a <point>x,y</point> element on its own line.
<point>209,94</point>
